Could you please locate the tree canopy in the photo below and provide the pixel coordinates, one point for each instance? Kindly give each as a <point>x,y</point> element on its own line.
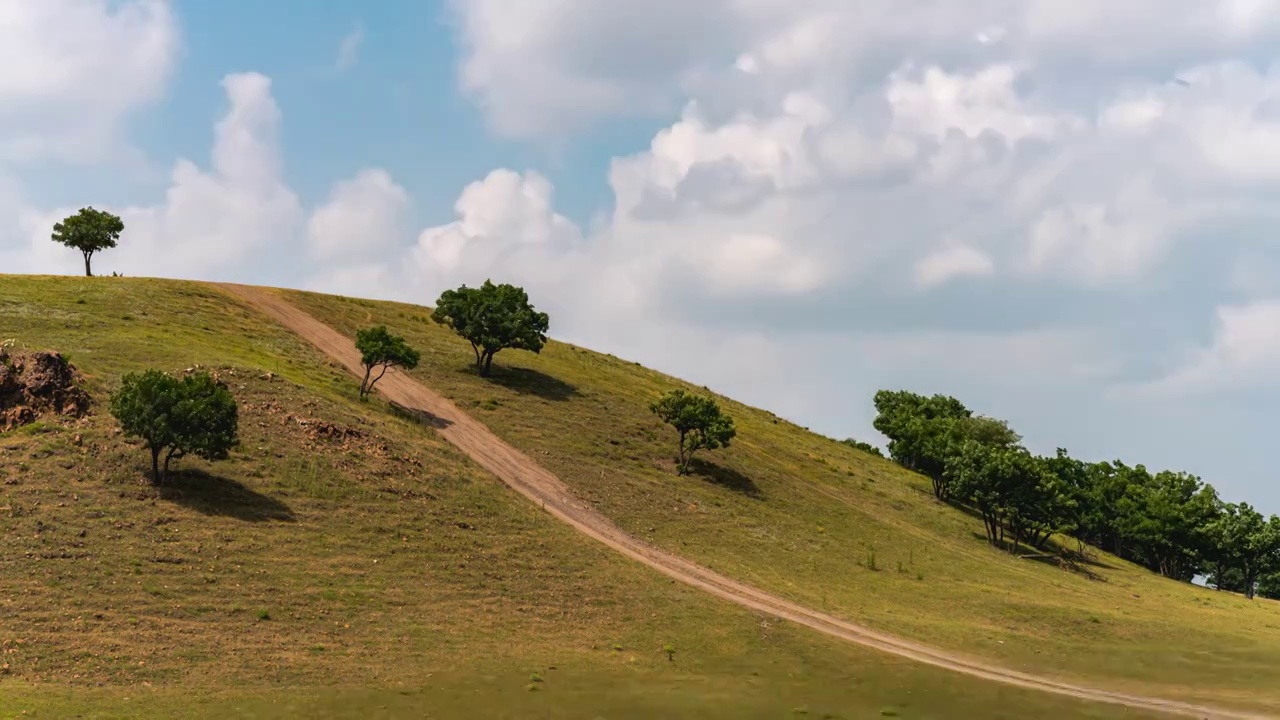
<point>865,447</point>
<point>195,415</point>
<point>698,420</point>
<point>924,432</point>
<point>1170,522</point>
<point>89,231</point>
<point>380,350</point>
<point>492,318</point>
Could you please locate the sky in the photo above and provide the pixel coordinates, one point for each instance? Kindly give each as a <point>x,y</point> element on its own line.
<point>1062,212</point>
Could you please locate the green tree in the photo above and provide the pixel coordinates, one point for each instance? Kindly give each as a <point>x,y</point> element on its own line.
<point>1269,585</point>
<point>698,419</point>
<point>925,432</point>
<point>88,231</point>
<point>1246,543</point>
<point>492,318</point>
<point>380,350</point>
<point>865,447</point>
<point>196,415</point>
<point>1011,488</point>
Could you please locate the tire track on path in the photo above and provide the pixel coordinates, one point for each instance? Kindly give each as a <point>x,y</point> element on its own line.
<point>527,477</point>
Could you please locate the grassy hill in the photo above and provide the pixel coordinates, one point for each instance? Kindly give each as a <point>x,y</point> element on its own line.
<point>348,548</point>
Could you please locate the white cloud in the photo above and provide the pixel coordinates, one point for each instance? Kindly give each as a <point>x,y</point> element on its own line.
<point>349,49</point>
<point>1100,175</point>
<point>74,70</point>
<point>952,262</point>
<point>941,102</point>
<point>210,221</point>
<point>363,216</point>
<point>542,67</point>
<point>501,220</point>
<point>1244,352</point>
<point>1103,240</point>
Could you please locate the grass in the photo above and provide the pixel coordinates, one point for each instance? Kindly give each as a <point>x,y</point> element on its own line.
<point>819,522</point>
<point>383,575</point>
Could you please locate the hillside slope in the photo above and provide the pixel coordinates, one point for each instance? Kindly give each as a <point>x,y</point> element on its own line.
<point>840,531</point>
<point>346,562</point>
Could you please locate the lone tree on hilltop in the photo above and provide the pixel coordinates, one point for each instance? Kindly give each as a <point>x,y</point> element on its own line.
<point>380,349</point>
<point>195,415</point>
<point>89,231</point>
<point>492,318</point>
<point>698,419</point>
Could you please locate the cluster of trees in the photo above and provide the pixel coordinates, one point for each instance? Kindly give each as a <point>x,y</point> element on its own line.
<point>1170,522</point>
<point>491,317</point>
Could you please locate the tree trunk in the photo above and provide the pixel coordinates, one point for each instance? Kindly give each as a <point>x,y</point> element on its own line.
<point>155,465</point>
<point>682,465</point>
<point>87,271</point>
<point>990,523</point>
<point>488,363</point>
<point>364,384</point>
<point>939,487</point>
<point>479,361</point>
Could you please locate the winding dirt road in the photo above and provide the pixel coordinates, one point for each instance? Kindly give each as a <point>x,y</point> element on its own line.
<point>540,486</point>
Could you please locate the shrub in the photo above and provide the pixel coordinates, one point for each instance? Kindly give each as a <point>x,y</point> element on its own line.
<point>195,415</point>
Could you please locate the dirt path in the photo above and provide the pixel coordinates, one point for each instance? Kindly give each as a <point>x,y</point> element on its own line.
<point>534,482</point>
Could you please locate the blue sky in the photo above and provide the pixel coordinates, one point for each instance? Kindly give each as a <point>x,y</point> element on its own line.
<point>396,107</point>
<point>1061,212</point>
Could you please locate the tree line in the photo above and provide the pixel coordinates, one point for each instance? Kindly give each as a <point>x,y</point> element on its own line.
<point>1172,523</point>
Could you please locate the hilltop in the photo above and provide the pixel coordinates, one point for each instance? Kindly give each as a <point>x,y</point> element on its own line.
<point>349,545</point>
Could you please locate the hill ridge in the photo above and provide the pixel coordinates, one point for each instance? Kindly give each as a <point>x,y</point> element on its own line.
<point>523,474</point>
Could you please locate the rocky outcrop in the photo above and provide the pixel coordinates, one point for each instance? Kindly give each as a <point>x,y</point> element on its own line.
<point>37,384</point>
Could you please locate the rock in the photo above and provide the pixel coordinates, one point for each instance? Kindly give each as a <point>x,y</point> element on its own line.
<point>36,384</point>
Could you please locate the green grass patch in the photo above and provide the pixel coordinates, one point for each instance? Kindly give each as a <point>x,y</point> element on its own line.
<point>400,580</point>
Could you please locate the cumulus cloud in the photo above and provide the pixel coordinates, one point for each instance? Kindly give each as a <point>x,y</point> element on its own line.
<point>1077,186</point>
<point>363,216</point>
<point>505,221</point>
<point>952,262</point>
<point>214,220</point>
<point>1244,352</point>
<point>74,70</point>
<point>552,66</point>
